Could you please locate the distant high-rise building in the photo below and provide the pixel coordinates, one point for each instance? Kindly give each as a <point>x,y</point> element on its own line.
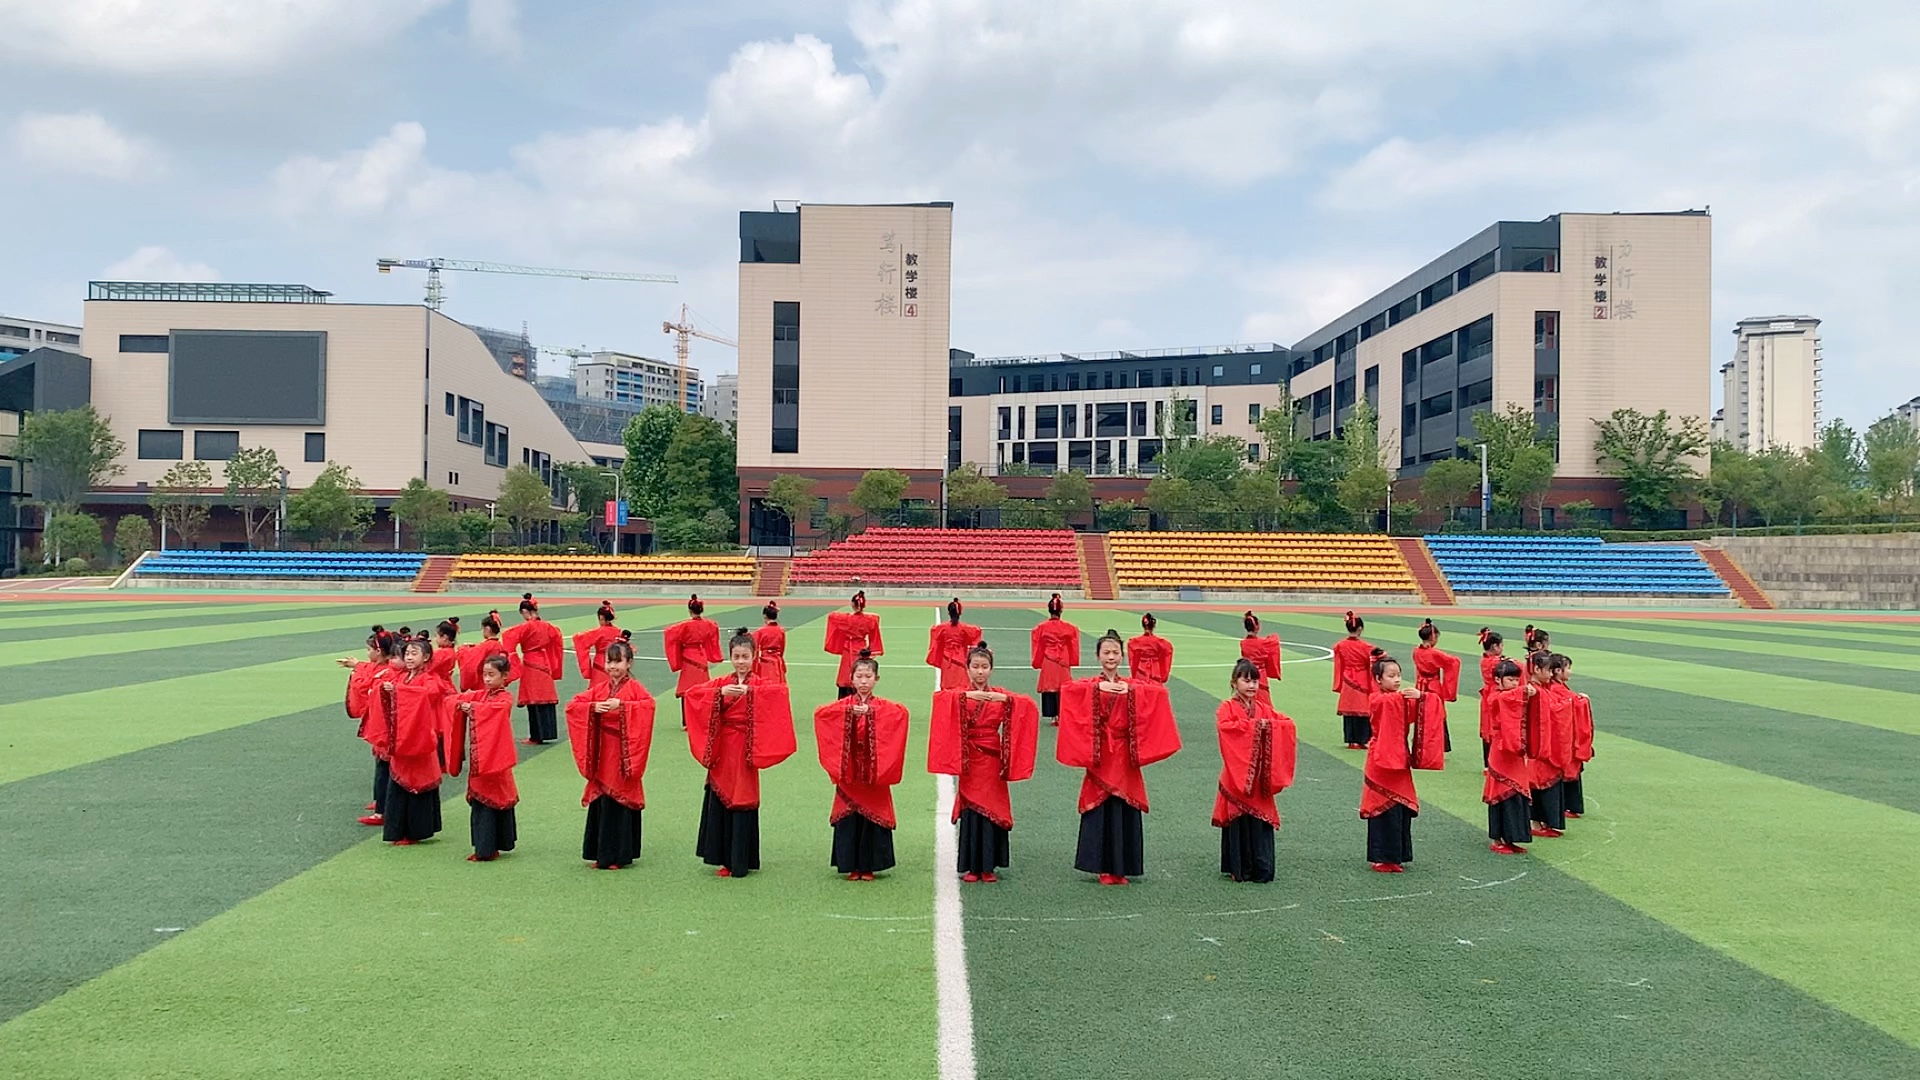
<point>513,351</point>
<point>1910,412</point>
<point>723,400</point>
<point>636,380</point>
<point>19,337</point>
<point>1772,384</point>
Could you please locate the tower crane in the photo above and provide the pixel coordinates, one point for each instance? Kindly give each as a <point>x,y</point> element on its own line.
<point>433,267</point>
<point>687,331</point>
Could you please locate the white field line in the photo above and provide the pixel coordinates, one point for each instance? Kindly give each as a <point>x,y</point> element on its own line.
<point>950,945</point>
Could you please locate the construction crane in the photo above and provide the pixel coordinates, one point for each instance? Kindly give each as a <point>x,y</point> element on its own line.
<point>435,295</point>
<point>687,332</point>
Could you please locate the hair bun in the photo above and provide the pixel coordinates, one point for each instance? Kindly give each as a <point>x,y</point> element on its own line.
<point>453,620</point>
<point>865,654</point>
<point>526,596</point>
<point>626,635</point>
<point>1378,653</point>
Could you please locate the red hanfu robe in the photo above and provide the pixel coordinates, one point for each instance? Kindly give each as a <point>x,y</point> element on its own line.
<point>1582,718</point>
<point>986,745</point>
<point>947,647</point>
<point>1265,654</point>
<point>770,654</point>
<point>1506,724</point>
<point>468,658</point>
<point>1258,749</point>
<point>360,680</point>
<point>590,650</point>
<point>485,747</point>
<point>848,632</point>
<point>1487,664</point>
<point>1150,656</point>
<point>864,755</point>
<point>1353,676</point>
<point>1387,776</point>
<point>416,722</point>
<point>611,748</point>
<point>377,720</point>
<point>441,664</point>
<point>1549,735</point>
<point>736,737</point>
<point>543,658</point>
<point>1114,736</point>
<point>1056,652</point>
<point>1437,673</point>
<point>692,645</point>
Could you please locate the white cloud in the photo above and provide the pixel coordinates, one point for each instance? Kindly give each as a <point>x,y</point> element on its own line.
<point>83,143</point>
<point>494,26</point>
<point>158,264</point>
<point>198,37</point>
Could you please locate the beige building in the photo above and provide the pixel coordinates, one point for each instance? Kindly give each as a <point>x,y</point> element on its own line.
<point>392,391</point>
<point>1771,387</point>
<point>723,399</point>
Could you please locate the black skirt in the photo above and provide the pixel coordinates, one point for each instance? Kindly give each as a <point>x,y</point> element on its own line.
<point>983,845</point>
<point>729,838</point>
<point>1246,849</point>
<point>409,816</point>
<point>381,770</point>
<point>1549,805</point>
<point>613,833</point>
<point>1486,753</point>
<point>1359,729</point>
<point>1507,821</point>
<point>861,846</point>
<point>1050,704</point>
<point>1573,797</point>
<point>543,724</point>
<point>1112,840</point>
<point>1446,733</point>
<point>1390,836</point>
<point>493,831</point>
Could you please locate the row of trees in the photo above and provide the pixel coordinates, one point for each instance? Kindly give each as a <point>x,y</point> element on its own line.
<point>1844,478</point>
<point>680,474</point>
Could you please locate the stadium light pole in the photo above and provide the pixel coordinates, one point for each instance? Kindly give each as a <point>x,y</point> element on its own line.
<point>1486,490</point>
<point>279,519</point>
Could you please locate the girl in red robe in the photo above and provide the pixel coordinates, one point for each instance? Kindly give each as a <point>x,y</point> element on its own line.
<point>948,645</point>
<point>1549,746</point>
<point>848,635</point>
<point>543,659</point>
<point>446,639</point>
<point>1388,801</point>
<point>468,658</point>
<point>1504,708</point>
<point>1572,790</point>
<point>770,646</point>
<point>483,741</point>
<point>1437,673</point>
<point>360,682</point>
<point>1538,640</point>
<point>691,645</point>
<point>863,746</point>
<point>1258,748</point>
<point>736,726</point>
<point>414,706</point>
<point>1150,656</point>
<point>1353,681</point>
<point>1112,728</point>
<point>1056,652</point>
<point>1263,651</point>
<point>985,736</point>
<point>611,728</point>
<point>373,728</point>
<point>1491,656</point>
<point>590,646</point>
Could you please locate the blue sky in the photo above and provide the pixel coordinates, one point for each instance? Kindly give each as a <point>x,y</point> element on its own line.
<point>1126,173</point>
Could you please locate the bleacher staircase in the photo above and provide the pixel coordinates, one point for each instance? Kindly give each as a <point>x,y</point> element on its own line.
<point>434,573</point>
<point>1426,573</point>
<point>1096,567</point>
<point>770,576</point>
<point>1744,590</point>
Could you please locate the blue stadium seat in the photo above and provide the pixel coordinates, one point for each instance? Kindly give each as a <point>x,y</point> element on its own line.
<point>1573,565</point>
<point>292,565</point>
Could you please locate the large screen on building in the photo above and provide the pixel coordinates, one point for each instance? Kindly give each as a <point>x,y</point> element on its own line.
<point>247,377</point>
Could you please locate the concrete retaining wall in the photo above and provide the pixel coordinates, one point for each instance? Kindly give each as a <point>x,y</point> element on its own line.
<point>1870,572</point>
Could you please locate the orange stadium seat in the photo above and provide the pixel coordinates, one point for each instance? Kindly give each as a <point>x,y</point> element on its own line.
<point>1257,562</point>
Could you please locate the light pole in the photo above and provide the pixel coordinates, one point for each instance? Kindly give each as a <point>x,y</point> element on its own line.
<point>1486,489</point>
<point>614,548</point>
<point>280,519</point>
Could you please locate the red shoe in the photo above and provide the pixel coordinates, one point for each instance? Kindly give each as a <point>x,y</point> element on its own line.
<point>1541,830</point>
<point>405,841</point>
<point>597,866</point>
<point>529,742</point>
<point>1106,879</point>
<point>1572,816</point>
<point>989,878</point>
<point>1387,868</point>
<point>373,819</point>
<point>1506,849</point>
<point>372,806</point>
<point>853,877</point>
<point>723,872</point>
<point>1120,879</point>
<point>969,878</point>
<point>866,877</point>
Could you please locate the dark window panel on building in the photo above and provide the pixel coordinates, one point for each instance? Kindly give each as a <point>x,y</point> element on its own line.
<point>215,445</point>
<point>1138,411</point>
<point>1371,387</point>
<point>1043,455</point>
<point>1217,415</point>
<point>1080,455</point>
<point>1046,422</point>
<point>162,445</point>
<point>316,446</point>
<point>144,343</point>
<point>1111,419</point>
<point>786,365</point>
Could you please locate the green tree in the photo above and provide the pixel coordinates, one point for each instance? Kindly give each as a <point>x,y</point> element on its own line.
<point>969,489</point>
<point>1216,459</point>
<point>71,534</point>
<point>591,487</point>
<point>477,527</point>
<point>791,495</point>
<point>1279,430</point>
<point>700,470</point>
<point>1069,493</point>
<point>1653,460</point>
<point>1735,480</point>
<point>332,509</point>
<point>1790,485</point>
<point>132,537</point>
<point>253,487</point>
<point>575,527</point>
<point>523,500</point>
<point>1839,456</point>
<point>1892,458</point>
<point>1362,491</point>
<point>419,505</point>
<point>647,438</point>
<point>1452,483</point>
<point>1318,466</point>
<point>1506,432</point>
<point>878,492</point>
<point>1528,478</point>
<point>180,501</point>
<point>72,452</point>
<point>445,535</point>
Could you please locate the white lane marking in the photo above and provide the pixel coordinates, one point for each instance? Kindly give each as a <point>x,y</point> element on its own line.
<point>950,945</point>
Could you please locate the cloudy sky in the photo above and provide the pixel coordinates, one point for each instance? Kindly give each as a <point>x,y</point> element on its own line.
<point>1126,173</point>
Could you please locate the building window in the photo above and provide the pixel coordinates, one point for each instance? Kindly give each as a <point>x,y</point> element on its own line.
<point>1343,395</point>
<point>1253,413</point>
<point>1004,429</point>
<point>494,450</point>
<point>316,446</point>
<point>1073,380</point>
<point>1372,387</point>
<point>1159,418</point>
<point>1044,455</point>
<point>1546,329</point>
<point>1149,451</point>
<point>1219,415</point>
<point>215,445</point>
<point>1476,340</point>
<point>1436,292</point>
<point>1070,421</point>
<point>953,437</point>
<point>471,427</point>
<point>1019,453</point>
<point>1437,405</point>
<point>1253,369</point>
<point>1253,451</point>
<point>1020,425</point>
<point>449,404</point>
<point>146,343</point>
<point>1475,272</point>
<point>1183,376</point>
<point>1013,384</point>
<point>1219,373</point>
<point>1479,393</point>
<point>453,479</point>
<point>1046,421</point>
<point>1144,379</point>
<point>1112,420</point>
<point>10,330</point>
<point>163,444</point>
<point>1053,382</point>
<point>786,377</point>
<point>1080,455</point>
<point>1546,394</point>
<point>1138,411</point>
<point>1103,458</point>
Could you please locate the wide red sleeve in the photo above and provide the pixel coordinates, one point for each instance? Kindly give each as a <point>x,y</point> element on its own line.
<point>492,740</point>
<point>773,738</point>
<point>836,640</point>
<point>1582,728</point>
<point>936,644</point>
<point>359,684</point>
<point>697,705</point>
<point>830,736</point>
<point>890,724</point>
<point>1137,655</point>
<point>1429,733</point>
<point>580,730</point>
<point>583,643</point>
<point>1037,639</point>
<point>1449,677</point>
<point>710,641</point>
<point>1339,664</point>
<point>1073,644</point>
<point>943,733</point>
<point>556,651</point>
<point>640,709</point>
<point>1073,746</point>
<point>1388,748</point>
<point>457,724</point>
<point>1156,734</point>
<point>672,642</point>
<point>1023,736</point>
<point>1286,753</point>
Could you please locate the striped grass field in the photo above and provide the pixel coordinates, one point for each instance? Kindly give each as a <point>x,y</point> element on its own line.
<point>184,891</point>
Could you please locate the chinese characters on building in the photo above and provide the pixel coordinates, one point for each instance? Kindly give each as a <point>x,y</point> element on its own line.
<point>1613,282</point>
<point>898,279</point>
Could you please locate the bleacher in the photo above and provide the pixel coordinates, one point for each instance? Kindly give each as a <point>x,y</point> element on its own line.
<point>979,558</point>
<point>1575,565</point>
<point>288,565</point>
<point>1259,562</point>
<point>611,569</point>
